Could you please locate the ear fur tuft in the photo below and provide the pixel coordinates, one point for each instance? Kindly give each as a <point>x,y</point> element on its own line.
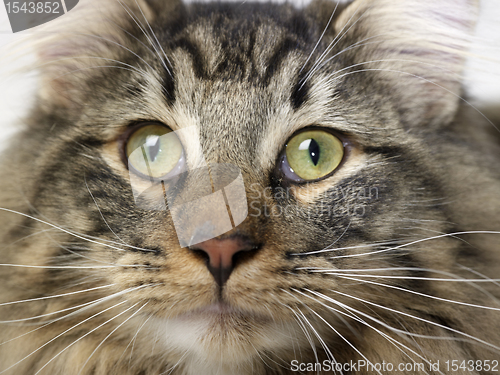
<point>420,49</point>
<point>70,47</point>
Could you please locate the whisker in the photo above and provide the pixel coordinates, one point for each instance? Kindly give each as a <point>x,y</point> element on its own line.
<point>321,37</point>
<point>413,243</point>
<point>484,278</point>
<point>50,62</point>
<point>156,39</point>
<point>306,333</point>
<point>57,295</point>
<point>453,278</point>
<point>59,335</point>
<point>361,246</point>
<point>84,307</point>
<point>85,335</point>
<point>362,321</point>
<point>169,371</point>
<point>113,331</point>
<point>143,30</point>
<point>133,339</point>
<point>71,232</point>
<point>59,267</point>
<point>333,43</point>
<point>417,318</point>
<point>423,294</point>
<point>429,81</point>
<point>28,236</point>
<point>333,329</point>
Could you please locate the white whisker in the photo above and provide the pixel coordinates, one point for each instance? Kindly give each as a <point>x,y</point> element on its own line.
<point>113,331</point>
<point>70,232</point>
<point>86,334</point>
<point>57,295</point>
<point>59,335</point>
<point>473,338</point>
<point>362,321</point>
<point>422,294</point>
<point>321,37</point>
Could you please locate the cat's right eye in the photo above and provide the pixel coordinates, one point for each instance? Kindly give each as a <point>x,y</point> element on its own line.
<point>311,155</point>
<point>154,150</point>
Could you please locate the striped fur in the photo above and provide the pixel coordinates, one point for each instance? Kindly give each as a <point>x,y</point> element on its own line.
<point>387,260</point>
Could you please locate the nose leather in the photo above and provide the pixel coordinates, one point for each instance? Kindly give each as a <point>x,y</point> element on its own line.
<point>221,255</point>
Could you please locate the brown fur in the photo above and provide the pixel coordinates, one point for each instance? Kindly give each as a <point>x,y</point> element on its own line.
<point>348,268</point>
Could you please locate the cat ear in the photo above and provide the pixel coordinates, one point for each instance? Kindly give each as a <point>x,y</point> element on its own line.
<point>72,49</point>
<point>416,48</point>
<point>164,7</point>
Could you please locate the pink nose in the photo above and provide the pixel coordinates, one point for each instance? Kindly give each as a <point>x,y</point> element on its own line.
<point>221,255</point>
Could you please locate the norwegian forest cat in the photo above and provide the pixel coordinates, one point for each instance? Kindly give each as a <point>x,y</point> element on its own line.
<point>362,233</point>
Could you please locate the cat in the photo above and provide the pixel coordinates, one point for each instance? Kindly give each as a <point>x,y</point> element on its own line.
<point>361,236</point>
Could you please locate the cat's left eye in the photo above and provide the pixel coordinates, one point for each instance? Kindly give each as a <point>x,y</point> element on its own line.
<point>311,155</point>
<point>154,150</point>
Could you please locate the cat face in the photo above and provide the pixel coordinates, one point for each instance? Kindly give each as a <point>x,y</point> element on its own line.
<point>347,134</point>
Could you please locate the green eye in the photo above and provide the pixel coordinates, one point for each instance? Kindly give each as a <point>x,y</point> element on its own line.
<point>313,154</point>
<point>155,151</point>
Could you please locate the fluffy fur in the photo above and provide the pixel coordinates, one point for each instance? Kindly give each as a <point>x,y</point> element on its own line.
<point>393,258</point>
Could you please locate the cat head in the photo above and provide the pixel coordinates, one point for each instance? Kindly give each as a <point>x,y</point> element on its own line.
<point>329,116</point>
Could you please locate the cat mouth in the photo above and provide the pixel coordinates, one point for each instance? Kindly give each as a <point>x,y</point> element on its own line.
<point>221,311</point>
<point>217,309</point>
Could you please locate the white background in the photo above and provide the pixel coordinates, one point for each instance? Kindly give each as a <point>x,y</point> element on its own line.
<point>483,70</point>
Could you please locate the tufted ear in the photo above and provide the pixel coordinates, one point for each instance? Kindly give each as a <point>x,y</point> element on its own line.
<point>417,49</point>
<point>72,48</point>
<point>164,7</point>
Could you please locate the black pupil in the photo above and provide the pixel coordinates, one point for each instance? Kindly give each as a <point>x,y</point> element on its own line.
<point>154,149</point>
<point>314,151</point>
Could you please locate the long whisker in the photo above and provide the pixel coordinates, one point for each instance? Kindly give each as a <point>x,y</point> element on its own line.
<point>85,307</point>
<point>361,246</point>
<point>429,81</point>
<point>422,294</point>
<point>349,272</point>
<point>417,318</point>
<point>113,331</point>
<point>484,278</point>
<point>171,369</point>
<point>28,236</point>
<point>333,43</point>
<point>58,267</point>
<point>71,232</point>
<point>85,335</point>
<point>399,246</point>
<point>306,333</point>
<point>362,321</point>
<point>82,307</point>
<point>132,341</point>
<point>334,330</point>
<point>96,57</point>
<point>156,39</point>
<point>141,27</point>
<point>61,334</point>
<point>321,37</point>
<point>80,255</point>
<point>56,296</point>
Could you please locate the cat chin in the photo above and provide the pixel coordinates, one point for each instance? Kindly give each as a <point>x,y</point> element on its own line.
<point>219,337</point>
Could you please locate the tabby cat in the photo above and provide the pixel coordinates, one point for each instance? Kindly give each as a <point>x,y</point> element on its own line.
<point>363,233</point>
